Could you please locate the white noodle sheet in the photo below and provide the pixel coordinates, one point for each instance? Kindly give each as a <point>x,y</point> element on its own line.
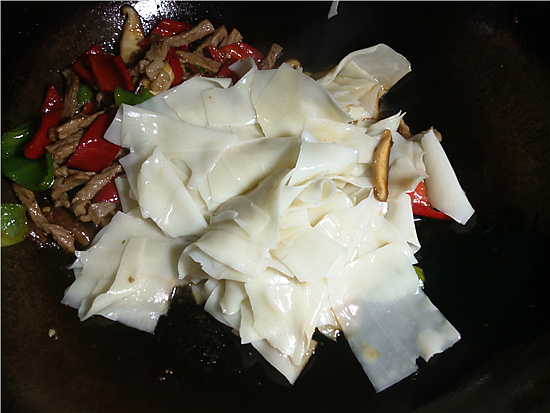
<point>259,195</point>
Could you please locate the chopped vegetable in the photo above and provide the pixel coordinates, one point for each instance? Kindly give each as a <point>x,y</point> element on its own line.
<point>84,95</point>
<point>421,206</point>
<point>108,193</point>
<point>94,152</point>
<point>51,111</point>
<point>123,96</point>
<point>34,174</point>
<point>14,140</point>
<point>14,224</point>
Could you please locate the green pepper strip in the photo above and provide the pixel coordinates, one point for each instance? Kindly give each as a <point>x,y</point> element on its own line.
<point>419,273</point>
<point>14,140</point>
<point>34,174</point>
<point>84,95</point>
<point>14,224</point>
<point>129,98</point>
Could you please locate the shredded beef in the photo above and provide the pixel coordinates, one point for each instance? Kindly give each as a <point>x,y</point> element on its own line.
<point>61,235</point>
<point>234,37</point>
<point>211,66</point>
<point>63,184</point>
<point>271,57</point>
<point>195,33</point>
<point>70,102</point>
<point>84,196</point>
<point>71,126</point>
<point>213,40</point>
<point>61,150</point>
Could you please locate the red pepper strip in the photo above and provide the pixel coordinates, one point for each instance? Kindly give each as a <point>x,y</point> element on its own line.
<point>216,54</point>
<point>94,152</point>
<point>51,110</point>
<point>108,193</point>
<point>421,206</point>
<point>125,73</point>
<point>80,65</point>
<point>225,71</point>
<point>167,27</point>
<point>175,64</point>
<point>87,108</point>
<point>241,51</point>
<point>107,73</point>
<point>51,101</point>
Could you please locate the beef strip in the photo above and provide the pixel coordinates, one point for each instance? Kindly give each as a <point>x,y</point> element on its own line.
<point>271,57</point>
<point>70,102</point>
<point>157,50</point>
<point>211,66</point>
<point>234,37</point>
<point>83,232</point>
<point>213,40</point>
<point>83,197</point>
<point>100,213</point>
<point>63,184</point>
<point>61,235</point>
<point>61,150</point>
<point>189,36</point>
<point>71,126</point>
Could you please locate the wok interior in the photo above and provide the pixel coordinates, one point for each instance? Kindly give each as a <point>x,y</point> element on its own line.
<point>480,76</point>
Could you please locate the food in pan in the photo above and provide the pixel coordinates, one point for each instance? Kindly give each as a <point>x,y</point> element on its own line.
<point>284,202</point>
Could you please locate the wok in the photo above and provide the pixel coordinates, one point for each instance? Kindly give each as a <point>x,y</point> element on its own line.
<point>480,76</point>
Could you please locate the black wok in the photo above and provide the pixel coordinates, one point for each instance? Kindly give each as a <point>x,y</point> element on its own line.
<point>480,76</point>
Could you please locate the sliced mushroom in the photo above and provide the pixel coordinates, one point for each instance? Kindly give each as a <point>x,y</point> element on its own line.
<point>132,35</point>
<point>380,166</point>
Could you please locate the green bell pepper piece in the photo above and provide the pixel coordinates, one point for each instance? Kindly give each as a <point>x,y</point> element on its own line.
<point>123,96</point>
<point>34,174</point>
<point>14,224</point>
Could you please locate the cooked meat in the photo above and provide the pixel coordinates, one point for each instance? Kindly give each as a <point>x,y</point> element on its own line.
<point>195,33</point>
<point>83,197</point>
<point>61,150</point>
<point>100,213</point>
<point>271,57</point>
<point>82,232</point>
<point>158,50</point>
<point>139,68</point>
<point>70,102</point>
<point>234,37</point>
<point>62,236</point>
<point>73,125</point>
<point>63,184</point>
<point>213,40</point>
<point>211,66</point>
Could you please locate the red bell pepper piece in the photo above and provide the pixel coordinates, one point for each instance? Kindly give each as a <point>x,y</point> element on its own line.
<point>421,206</point>
<point>108,193</point>
<point>175,64</point>
<point>51,101</point>
<point>167,27</point>
<point>125,73</point>
<point>94,152</point>
<point>108,73</point>
<point>51,110</point>
<point>80,66</point>
<point>216,54</point>
<point>241,51</point>
<point>225,71</point>
<point>87,108</point>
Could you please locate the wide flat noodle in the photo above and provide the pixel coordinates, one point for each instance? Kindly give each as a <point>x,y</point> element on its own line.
<point>260,195</point>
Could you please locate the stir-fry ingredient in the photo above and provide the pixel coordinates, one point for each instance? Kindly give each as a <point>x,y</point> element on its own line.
<point>283,201</point>
<point>14,224</point>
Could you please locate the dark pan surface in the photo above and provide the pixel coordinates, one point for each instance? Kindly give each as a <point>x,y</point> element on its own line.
<point>480,76</point>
